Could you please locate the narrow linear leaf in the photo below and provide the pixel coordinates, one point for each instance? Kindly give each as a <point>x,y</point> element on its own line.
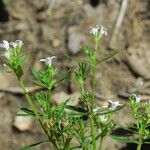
<point>129,129</point>
<point>65,76</point>
<point>27,111</point>
<point>62,106</point>
<point>146,142</point>
<point>110,111</point>
<point>108,56</point>
<point>34,73</point>
<point>19,114</point>
<point>29,147</point>
<point>76,108</point>
<point>18,71</point>
<point>123,139</point>
<point>39,84</point>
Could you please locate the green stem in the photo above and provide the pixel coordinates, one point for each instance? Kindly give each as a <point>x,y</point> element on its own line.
<point>93,130</point>
<point>94,77</point>
<point>139,146</point>
<point>33,107</point>
<point>96,46</point>
<point>100,144</point>
<point>93,133</point>
<point>49,104</point>
<point>93,88</point>
<point>82,89</point>
<point>56,145</point>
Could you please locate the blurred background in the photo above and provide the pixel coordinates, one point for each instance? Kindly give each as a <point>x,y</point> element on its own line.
<point>60,27</point>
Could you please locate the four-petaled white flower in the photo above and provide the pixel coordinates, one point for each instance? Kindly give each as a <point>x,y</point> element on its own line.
<point>103,118</point>
<point>114,104</point>
<point>5,44</point>
<point>48,60</point>
<point>137,98</point>
<point>18,43</point>
<point>98,30</point>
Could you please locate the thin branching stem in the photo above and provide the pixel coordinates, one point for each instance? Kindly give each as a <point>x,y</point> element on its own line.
<point>32,106</point>
<point>100,144</point>
<point>93,130</point>
<point>139,146</point>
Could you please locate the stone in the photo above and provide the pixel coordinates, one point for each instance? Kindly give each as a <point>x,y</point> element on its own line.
<point>138,59</point>
<point>75,40</point>
<point>4,82</point>
<point>23,123</point>
<point>56,42</point>
<point>62,96</point>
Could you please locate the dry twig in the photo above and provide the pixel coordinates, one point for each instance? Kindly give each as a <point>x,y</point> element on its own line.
<point>18,90</point>
<point>118,22</point>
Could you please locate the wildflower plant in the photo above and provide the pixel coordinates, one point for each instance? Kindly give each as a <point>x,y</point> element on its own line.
<point>99,120</point>
<point>63,123</point>
<point>139,131</point>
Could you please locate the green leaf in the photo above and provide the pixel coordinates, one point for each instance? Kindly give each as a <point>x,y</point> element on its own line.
<point>104,112</point>
<point>19,114</point>
<point>130,128</point>
<point>27,111</point>
<point>76,147</point>
<point>39,84</point>
<point>60,109</point>
<point>114,52</point>
<point>34,73</point>
<point>123,139</point>
<point>29,147</point>
<point>87,51</point>
<point>76,108</point>
<point>65,76</point>
<point>146,142</point>
<point>18,71</point>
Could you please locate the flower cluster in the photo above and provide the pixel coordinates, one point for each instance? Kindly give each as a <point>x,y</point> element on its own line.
<point>103,118</point>
<point>114,105</point>
<point>9,47</point>
<point>137,98</point>
<point>48,60</point>
<point>97,32</point>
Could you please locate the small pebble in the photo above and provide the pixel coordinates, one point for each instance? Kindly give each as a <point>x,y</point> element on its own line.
<point>23,123</point>
<point>75,40</point>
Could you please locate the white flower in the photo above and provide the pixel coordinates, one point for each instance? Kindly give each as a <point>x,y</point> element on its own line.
<point>48,60</point>
<point>13,44</point>
<point>100,131</point>
<point>10,45</point>
<point>105,106</point>
<point>114,104</point>
<point>5,44</point>
<point>103,118</point>
<point>18,43</point>
<point>137,98</point>
<point>96,109</point>
<point>98,30</point>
